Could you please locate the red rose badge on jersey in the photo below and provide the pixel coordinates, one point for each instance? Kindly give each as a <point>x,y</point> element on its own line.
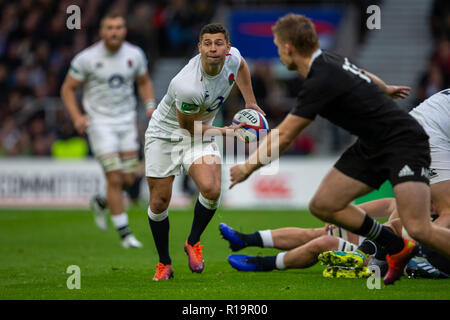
<point>130,63</point>
<point>231,79</point>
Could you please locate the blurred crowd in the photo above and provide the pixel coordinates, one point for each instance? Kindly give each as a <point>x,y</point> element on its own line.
<point>437,75</point>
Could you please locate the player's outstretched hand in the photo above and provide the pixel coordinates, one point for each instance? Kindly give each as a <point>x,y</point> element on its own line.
<point>238,173</point>
<point>254,106</point>
<point>397,91</point>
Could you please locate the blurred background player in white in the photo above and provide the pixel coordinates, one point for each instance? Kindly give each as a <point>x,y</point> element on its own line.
<point>107,71</point>
<point>193,98</point>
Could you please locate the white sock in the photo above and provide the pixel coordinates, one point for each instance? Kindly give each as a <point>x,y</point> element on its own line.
<point>208,204</point>
<point>120,220</point>
<point>279,262</point>
<point>267,240</point>
<point>157,217</point>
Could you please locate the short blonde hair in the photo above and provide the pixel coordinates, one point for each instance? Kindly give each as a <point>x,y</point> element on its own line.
<point>299,31</point>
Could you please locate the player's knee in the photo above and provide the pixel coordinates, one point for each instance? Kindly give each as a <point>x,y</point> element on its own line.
<point>159,204</point>
<point>319,209</point>
<point>211,192</point>
<point>114,179</point>
<point>418,230</point>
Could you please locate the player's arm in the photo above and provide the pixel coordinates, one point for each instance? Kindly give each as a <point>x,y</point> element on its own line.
<point>392,91</point>
<point>194,126</point>
<point>68,95</point>
<point>145,89</point>
<point>244,83</point>
<point>270,148</point>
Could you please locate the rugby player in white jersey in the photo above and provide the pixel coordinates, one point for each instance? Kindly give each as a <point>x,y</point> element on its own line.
<point>107,71</point>
<point>192,101</point>
<point>434,116</point>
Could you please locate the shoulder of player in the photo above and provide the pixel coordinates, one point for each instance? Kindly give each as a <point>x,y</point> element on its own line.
<point>88,53</point>
<point>324,69</point>
<point>234,55</point>
<point>186,88</point>
<point>329,60</point>
<point>132,48</point>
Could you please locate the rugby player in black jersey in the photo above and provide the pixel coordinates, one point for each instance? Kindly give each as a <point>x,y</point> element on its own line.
<point>391,146</point>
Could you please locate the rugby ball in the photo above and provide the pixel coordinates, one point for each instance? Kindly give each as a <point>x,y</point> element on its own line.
<point>256,125</point>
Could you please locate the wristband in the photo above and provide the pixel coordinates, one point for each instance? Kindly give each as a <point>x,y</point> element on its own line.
<point>244,169</point>
<point>151,104</point>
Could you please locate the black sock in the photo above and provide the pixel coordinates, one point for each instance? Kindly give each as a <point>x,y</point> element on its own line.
<point>252,239</point>
<point>381,235</point>
<point>264,263</point>
<point>160,231</point>
<point>368,247</point>
<point>124,231</point>
<point>202,216</point>
<point>381,253</point>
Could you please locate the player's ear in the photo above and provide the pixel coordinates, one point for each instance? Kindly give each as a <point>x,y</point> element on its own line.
<point>288,48</point>
<point>228,47</point>
<point>198,46</point>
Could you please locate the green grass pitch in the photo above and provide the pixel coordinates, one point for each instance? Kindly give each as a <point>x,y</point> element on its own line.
<point>37,247</point>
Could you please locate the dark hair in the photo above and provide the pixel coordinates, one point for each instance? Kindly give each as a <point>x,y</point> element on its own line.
<point>214,28</point>
<point>112,15</point>
<point>299,31</point>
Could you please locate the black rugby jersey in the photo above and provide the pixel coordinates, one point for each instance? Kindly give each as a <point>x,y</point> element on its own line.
<point>338,91</point>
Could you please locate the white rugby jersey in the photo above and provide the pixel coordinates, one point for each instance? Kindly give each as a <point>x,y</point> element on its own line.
<point>192,91</point>
<point>108,81</point>
<point>434,116</point>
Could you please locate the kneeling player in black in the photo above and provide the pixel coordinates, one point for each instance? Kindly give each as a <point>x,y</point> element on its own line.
<point>391,146</point>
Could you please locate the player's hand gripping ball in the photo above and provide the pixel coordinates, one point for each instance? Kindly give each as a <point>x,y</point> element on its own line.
<point>256,125</point>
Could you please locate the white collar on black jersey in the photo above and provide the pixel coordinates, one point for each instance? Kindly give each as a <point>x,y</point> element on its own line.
<point>316,53</point>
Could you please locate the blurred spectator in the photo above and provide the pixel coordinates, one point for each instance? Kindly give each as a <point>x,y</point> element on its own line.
<point>437,75</point>
<point>430,83</point>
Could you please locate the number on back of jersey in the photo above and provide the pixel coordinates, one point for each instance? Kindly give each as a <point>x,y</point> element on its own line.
<point>355,70</point>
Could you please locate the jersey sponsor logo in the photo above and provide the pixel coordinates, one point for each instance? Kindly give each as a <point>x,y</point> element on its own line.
<point>99,65</point>
<point>355,70</point>
<point>189,107</point>
<point>406,171</point>
<point>116,81</point>
<point>231,79</point>
<point>216,104</point>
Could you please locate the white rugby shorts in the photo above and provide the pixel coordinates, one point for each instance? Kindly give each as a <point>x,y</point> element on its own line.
<point>108,138</point>
<point>165,158</point>
<point>440,165</point>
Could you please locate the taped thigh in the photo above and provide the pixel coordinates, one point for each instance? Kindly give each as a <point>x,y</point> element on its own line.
<point>110,162</point>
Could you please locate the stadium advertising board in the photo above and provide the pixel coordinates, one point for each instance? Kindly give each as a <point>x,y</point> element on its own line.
<point>292,186</point>
<point>71,184</point>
